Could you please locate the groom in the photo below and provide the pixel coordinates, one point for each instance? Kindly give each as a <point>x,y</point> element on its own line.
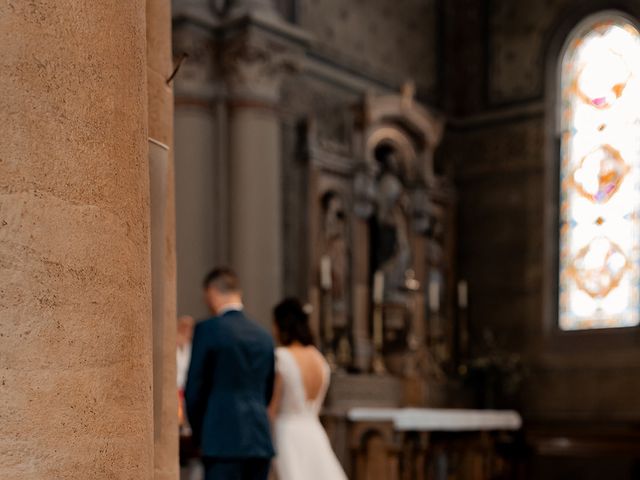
<point>229,385</point>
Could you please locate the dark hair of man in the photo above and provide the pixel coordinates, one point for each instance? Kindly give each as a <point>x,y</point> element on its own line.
<point>223,279</point>
<point>292,322</point>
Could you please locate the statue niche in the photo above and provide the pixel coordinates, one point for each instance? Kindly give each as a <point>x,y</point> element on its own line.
<point>390,245</point>
<point>381,264</point>
<point>334,222</point>
<point>379,241</point>
<point>334,280</point>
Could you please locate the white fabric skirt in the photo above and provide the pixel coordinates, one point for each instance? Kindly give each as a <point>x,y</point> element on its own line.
<point>304,451</point>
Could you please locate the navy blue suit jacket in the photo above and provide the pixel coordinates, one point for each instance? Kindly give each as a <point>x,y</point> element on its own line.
<point>229,387</point>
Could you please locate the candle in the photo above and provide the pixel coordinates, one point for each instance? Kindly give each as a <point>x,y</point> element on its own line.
<point>378,287</point>
<point>328,325</point>
<point>434,296</point>
<point>378,328</point>
<point>463,294</point>
<point>325,273</point>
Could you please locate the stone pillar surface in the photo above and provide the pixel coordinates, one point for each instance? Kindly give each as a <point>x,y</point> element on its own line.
<point>256,210</point>
<point>202,184</point>
<point>163,267</point>
<point>75,298</point>
<point>196,206</point>
<point>254,65</point>
<point>229,203</point>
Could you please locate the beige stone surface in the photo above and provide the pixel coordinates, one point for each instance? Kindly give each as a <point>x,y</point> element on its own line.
<point>160,110</point>
<point>75,309</point>
<point>159,56</point>
<point>164,314</point>
<point>159,68</point>
<point>166,445</point>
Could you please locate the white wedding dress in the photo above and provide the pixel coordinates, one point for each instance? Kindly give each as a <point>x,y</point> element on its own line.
<point>302,446</point>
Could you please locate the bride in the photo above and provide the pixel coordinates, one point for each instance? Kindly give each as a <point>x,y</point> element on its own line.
<point>302,380</point>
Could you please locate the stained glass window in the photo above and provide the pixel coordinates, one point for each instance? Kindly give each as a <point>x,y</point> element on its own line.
<point>600,177</point>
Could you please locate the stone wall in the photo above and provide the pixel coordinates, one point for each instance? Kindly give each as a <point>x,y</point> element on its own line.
<point>499,138</point>
<point>386,39</point>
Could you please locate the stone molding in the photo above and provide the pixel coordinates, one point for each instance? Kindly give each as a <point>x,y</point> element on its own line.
<point>242,57</point>
<point>254,67</point>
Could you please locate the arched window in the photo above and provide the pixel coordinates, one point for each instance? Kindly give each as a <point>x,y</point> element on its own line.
<point>599,264</point>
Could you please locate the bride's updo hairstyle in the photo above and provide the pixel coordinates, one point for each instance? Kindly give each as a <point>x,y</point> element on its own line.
<point>293,323</point>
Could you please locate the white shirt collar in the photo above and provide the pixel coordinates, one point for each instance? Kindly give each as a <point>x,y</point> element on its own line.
<point>231,307</point>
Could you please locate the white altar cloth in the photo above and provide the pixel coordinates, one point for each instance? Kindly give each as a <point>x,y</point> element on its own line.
<point>439,419</point>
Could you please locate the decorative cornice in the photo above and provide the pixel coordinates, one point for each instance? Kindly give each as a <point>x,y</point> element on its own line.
<point>331,161</point>
<point>266,22</point>
<point>243,58</point>
<point>254,66</point>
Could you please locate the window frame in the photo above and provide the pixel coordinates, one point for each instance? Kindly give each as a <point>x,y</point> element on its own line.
<point>556,339</point>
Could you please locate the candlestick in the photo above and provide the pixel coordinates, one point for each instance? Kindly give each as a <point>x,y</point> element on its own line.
<point>463,294</point>
<point>327,317</point>
<point>329,333</point>
<point>378,323</point>
<point>328,323</point>
<point>343,356</point>
<point>378,326</point>
<point>434,296</point>
<point>378,287</point>
<point>378,340</point>
<point>325,272</point>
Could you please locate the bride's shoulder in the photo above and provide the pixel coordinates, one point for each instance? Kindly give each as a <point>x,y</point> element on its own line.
<point>282,353</point>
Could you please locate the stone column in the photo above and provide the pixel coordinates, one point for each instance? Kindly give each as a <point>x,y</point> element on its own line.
<point>201,175</point>
<point>228,134</point>
<point>254,65</point>
<point>75,296</point>
<point>163,265</point>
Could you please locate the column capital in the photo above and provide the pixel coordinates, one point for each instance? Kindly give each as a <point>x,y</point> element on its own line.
<point>254,67</point>
<point>258,52</point>
<point>199,75</point>
<point>243,56</point>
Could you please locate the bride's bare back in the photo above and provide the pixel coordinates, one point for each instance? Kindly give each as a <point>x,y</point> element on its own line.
<point>301,380</point>
<point>312,369</point>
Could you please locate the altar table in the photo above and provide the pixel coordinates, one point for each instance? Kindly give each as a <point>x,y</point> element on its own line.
<point>439,419</point>
<point>428,443</point>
